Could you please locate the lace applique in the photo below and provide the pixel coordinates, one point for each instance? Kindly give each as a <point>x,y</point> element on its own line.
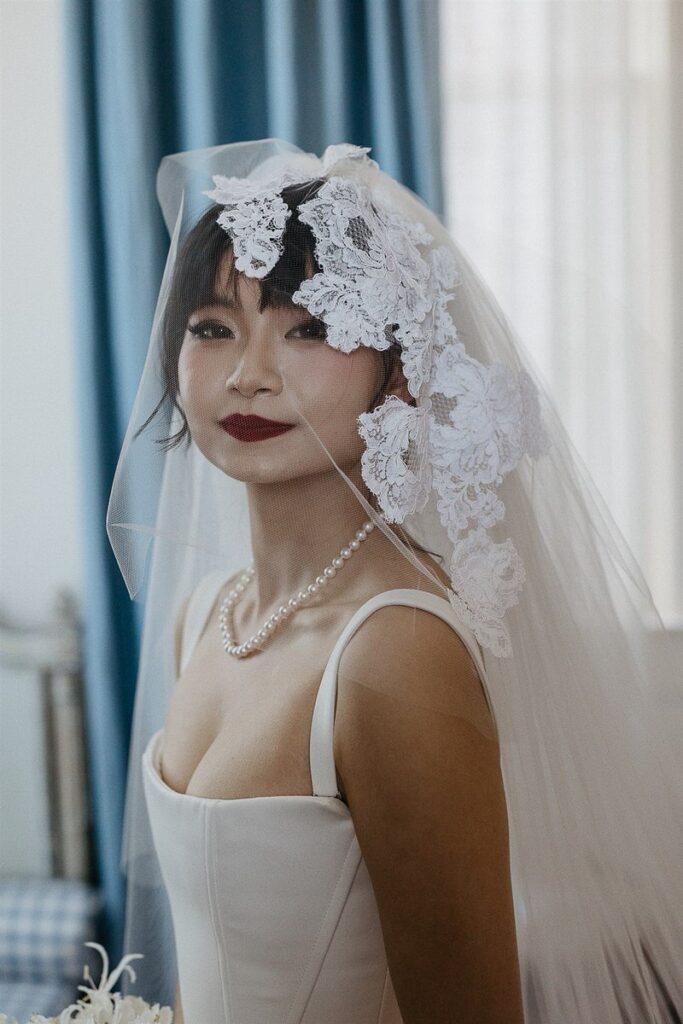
<point>372,273</point>
<point>393,434</point>
<point>485,419</point>
<point>255,214</point>
<point>420,339</point>
<point>487,578</point>
<point>484,438</point>
<point>459,503</point>
<point>255,217</point>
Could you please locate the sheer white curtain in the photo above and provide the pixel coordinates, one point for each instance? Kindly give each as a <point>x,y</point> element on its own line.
<point>563,154</point>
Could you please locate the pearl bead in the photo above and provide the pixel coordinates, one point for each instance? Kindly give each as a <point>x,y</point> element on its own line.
<point>255,642</point>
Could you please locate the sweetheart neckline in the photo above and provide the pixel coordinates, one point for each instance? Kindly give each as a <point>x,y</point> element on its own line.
<point>149,759</point>
<point>400,592</point>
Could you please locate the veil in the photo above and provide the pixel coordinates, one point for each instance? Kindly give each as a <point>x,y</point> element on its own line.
<point>471,464</point>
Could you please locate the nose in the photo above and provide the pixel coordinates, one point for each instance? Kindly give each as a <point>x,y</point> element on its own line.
<point>256,371</point>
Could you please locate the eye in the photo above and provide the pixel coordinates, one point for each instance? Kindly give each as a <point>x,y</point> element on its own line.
<point>311,329</point>
<point>209,330</point>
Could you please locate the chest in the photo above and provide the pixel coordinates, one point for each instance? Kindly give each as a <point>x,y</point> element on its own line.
<point>239,728</point>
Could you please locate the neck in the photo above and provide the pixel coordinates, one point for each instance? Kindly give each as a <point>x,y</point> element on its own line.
<point>297,528</point>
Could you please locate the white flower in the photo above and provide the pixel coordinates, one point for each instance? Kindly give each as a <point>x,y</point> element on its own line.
<point>102,1005</point>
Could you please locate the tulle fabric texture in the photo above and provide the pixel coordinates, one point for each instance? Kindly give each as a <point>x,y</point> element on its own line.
<point>591,774</point>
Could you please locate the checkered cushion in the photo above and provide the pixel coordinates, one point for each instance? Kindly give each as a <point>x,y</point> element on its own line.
<point>43,925</point>
<point>20,999</point>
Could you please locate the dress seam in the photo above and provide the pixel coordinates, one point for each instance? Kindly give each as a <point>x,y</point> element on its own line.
<point>219,937</point>
<point>296,1003</point>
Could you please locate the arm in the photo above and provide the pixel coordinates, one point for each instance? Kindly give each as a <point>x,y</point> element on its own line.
<point>418,760</point>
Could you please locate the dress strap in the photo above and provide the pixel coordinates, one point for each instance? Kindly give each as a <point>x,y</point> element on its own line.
<point>200,604</point>
<point>323,771</point>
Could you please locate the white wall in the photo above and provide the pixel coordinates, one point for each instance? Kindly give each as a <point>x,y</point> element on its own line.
<point>39,484</point>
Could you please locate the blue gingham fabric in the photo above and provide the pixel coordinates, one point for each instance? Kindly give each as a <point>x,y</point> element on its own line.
<point>19,999</point>
<point>43,925</point>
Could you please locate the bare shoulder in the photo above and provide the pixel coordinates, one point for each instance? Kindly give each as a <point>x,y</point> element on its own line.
<point>418,762</point>
<point>411,655</point>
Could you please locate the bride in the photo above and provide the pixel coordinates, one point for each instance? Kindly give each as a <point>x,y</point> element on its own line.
<point>357,786</point>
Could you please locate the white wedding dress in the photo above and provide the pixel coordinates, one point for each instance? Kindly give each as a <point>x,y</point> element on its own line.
<point>274,913</point>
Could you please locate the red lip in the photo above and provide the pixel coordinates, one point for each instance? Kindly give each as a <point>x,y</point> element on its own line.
<point>253,428</point>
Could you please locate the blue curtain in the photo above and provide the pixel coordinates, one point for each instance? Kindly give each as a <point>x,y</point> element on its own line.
<point>151,77</point>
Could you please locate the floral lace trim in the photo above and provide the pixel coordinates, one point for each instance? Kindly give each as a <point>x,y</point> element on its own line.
<point>255,215</point>
<point>372,272</point>
<point>390,434</point>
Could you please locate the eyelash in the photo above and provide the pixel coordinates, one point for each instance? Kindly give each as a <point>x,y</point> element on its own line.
<point>207,325</point>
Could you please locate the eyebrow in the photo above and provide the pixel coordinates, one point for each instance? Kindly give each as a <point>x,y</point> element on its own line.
<point>229,303</point>
<point>221,300</point>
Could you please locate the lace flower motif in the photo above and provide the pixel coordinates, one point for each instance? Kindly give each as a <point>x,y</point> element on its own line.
<point>485,437</point>
<point>372,272</point>
<point>420,339</point>
<point>493,420</point>
<point>487,578</point>
<point>392,433</point>
<point>255,217</point>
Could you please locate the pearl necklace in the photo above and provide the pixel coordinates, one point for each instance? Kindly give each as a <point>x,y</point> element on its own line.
<point>255,642</point>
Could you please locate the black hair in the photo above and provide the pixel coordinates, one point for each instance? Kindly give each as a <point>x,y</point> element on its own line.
<point>193,285</point>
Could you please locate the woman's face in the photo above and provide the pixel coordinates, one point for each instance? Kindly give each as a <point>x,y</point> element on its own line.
<point>238,362</point>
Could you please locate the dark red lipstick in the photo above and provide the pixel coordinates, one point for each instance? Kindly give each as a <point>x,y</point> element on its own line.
<point>253,428</point>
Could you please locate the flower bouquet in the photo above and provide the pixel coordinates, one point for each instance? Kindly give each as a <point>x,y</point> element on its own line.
<point>102,1005</point>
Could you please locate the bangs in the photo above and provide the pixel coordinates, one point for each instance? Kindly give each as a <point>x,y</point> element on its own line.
<point>200,274</point>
